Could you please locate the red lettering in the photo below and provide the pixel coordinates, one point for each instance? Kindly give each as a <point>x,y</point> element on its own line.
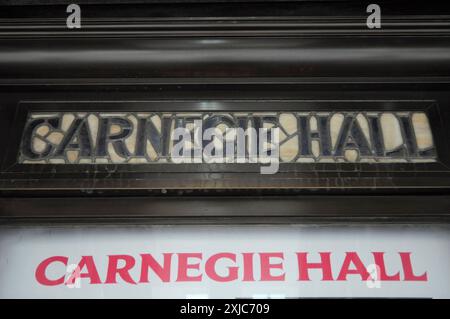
<point>408,270</point>
<point>304,266</point>
<point>248,267</point>
<point>163,272</point>
<point>41,276</point>
<point>210,267</point>
<point>382,275</point>
<point>266,267</point>
<point>184,266</point>
<point>114,270</point>
<point>92,273</point>
<point>360,269</point>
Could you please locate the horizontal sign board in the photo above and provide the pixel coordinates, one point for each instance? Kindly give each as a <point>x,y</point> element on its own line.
<point>239,137</point>
<point>225,144</point>
<point>238,261</point>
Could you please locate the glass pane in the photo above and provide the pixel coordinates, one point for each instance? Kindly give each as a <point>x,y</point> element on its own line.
<point>295,261</point>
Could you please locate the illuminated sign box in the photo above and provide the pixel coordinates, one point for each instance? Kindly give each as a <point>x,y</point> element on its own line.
<point>238,261</point>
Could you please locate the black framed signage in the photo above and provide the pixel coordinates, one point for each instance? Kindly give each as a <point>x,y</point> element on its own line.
<point>142,137</point>
<point>298,150</point>
<point>355,110</point>
<point>118,138</point>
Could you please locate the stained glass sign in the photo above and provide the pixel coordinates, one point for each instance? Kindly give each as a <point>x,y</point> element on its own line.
<point>152,137</point>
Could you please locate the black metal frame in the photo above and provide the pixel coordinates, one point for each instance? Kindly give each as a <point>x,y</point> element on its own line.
<point>226,210</point>
<point>325,176</point>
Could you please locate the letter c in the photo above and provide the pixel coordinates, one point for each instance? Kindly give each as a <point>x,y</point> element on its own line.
<point>40,275</point>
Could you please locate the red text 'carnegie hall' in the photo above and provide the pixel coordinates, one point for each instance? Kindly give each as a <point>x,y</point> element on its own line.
<point>228,267</point>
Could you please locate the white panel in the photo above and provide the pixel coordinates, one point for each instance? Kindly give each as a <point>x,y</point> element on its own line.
<point>23,249</point>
